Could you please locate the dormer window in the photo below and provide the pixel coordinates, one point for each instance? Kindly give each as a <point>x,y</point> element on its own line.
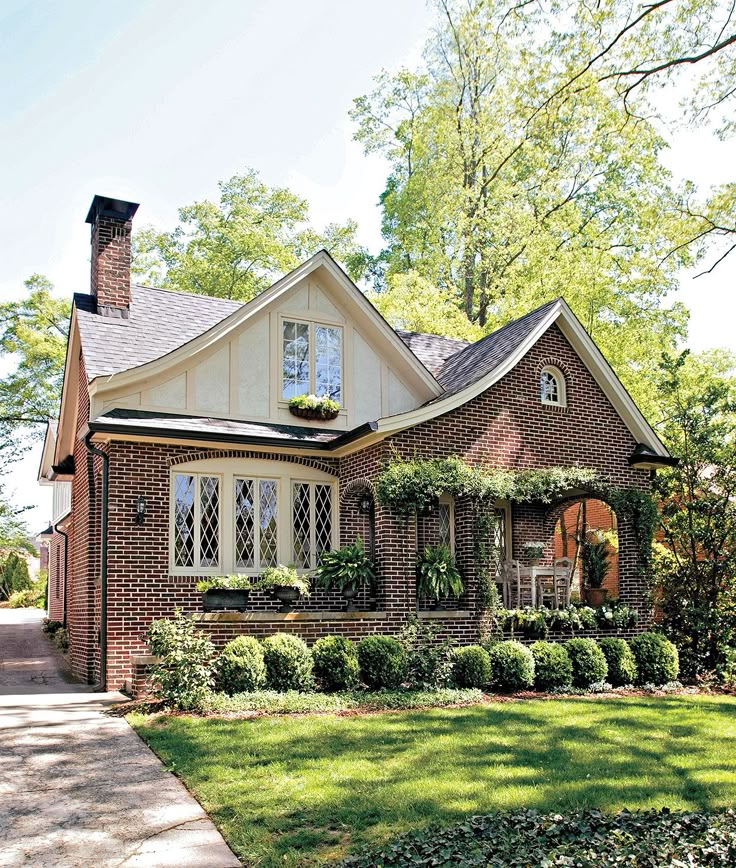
<point>311,360</point>
<point>552,387</point>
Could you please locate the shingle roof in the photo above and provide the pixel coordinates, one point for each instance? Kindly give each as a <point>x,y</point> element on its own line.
<point>158,324</point>
<point>476,360</point>
<point>431,350</point>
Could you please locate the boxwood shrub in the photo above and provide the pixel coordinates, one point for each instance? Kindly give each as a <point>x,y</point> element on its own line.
<point>472,667</point>
<point>382,662</point>
<point>240,667</point>
<point>620,660</point>
<point>512,666</point>
<point>588,663</point>
<point>656,658</point>
<point>288,662</point>
<point>335,663</point>
<point>552,666</point>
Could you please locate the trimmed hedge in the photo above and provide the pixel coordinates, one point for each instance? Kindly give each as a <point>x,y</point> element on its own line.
<point>472,667</point>
<point>585,839</point>
<point>288,663</point>
<point>335,663</point>
<point>382,662</point>
<point>656,657</point>
<point>512,666</point>
<point>240,668</point>
<point>552,666</point>
<point>620,660</point>
<point>588,663</point>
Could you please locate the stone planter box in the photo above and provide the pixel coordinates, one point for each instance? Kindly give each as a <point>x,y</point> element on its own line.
<point>226,599</point>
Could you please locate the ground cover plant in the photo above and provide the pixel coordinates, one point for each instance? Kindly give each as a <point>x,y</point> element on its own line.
<point>300,790</point>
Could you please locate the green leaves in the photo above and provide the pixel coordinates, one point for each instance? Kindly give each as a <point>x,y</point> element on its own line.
<point>437,575</point>
<point>346,567</point>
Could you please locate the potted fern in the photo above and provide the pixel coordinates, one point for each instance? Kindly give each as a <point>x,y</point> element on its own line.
<point>222,593</point>
<point>347,569</point>
<point>285,584</point>
<point>437,575</point>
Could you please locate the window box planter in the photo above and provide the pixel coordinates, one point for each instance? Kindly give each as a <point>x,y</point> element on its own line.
<point>314,413</point>
<point>224,599</point>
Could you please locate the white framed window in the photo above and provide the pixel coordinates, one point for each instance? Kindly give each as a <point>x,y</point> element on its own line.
<point>231,515</point>
<point>196,522</point>
<point>311,359</point>
<point>552,387</point>
<point>446,519</point>
<point>312,522</point>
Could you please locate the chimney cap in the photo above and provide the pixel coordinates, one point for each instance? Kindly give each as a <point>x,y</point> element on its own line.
<point>106,206</point>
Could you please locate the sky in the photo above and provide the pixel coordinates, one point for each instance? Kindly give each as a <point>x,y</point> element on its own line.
<point>156,101</point>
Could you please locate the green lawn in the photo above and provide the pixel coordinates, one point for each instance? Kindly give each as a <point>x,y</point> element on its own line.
<point>300,790</point>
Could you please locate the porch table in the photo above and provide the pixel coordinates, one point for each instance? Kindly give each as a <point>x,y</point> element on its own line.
<point>535,574</point>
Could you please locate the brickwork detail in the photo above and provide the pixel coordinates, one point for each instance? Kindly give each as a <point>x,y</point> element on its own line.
<point>111,252</point>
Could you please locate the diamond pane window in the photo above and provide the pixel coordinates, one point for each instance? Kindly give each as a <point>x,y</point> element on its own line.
<point>245,524</point>
<point>302,524</point>
<point>183,520</point>
<point>209,521</point>
<point>497,539</point>
<point>328,362</point>
<point>295,359</point>
<point>268,513</point>
<point>444,517</point>
<point>322,519</point>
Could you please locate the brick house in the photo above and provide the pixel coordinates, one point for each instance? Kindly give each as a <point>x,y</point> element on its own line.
<point>176,456</point>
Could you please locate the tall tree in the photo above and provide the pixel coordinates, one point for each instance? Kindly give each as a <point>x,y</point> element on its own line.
<point>237,246</point>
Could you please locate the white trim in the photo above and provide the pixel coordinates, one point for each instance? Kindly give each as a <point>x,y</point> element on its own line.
<point>312,325</point>
<point>559,379</point>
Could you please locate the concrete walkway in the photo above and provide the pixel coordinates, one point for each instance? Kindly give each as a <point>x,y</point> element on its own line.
<point>77,787</point>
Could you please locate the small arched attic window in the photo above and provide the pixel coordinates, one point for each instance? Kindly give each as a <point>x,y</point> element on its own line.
<point>552,390</point>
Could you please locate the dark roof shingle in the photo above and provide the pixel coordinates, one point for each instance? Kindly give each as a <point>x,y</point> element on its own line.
<point>431,350</point>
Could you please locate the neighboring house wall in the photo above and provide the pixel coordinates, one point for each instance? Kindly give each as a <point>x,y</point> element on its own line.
<point>598,516</point>
<point>56,577</point>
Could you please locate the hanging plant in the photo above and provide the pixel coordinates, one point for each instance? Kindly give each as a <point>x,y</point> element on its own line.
<point>314,407</point>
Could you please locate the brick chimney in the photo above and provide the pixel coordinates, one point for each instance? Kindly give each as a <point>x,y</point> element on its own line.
<point>112,223</point>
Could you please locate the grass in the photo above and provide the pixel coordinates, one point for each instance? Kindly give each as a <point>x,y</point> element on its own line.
<point>304,790</point>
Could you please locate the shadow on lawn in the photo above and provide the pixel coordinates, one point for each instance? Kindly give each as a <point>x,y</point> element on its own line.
<point>363,778</point>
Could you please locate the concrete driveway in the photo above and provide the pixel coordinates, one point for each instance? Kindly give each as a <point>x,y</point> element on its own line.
<point>77,787</point>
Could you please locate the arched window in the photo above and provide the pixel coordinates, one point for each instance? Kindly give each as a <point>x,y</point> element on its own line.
<point>552,387</point>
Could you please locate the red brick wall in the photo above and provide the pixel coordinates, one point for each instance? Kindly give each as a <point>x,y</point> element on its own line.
<point>598,516</point>
<point>110,281</point>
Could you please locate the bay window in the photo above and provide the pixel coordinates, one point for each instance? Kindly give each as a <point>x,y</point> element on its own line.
<point>311,521</point>
<point>311,360</point>
<point>196,521</point>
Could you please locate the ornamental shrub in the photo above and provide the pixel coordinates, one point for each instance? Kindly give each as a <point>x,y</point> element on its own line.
<point>620,660</point>
<point>428,658</point>
<point>335,663</point>
<point>382,662</point>
<point>512,666</point>
<point>288,662</point>
<point>240,667</point>
<point>552,666</point>
<point>588,663</point>
<point>656,658</point>
<point>472,667</point>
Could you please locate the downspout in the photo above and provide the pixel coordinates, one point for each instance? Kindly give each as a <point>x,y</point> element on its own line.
<point>103,556</point>
<point>58,530</point>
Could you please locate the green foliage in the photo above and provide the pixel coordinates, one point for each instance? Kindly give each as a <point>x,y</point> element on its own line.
<point>537,622</point>
<point>232,582</point>
<point>288,662</point>
<point>346,567</point>
<point>586,839</point>
<point>238,246</point>
<point>30,598</point>
<point>382,662</point>
<point>14,575</point>
<point>552,666</point>
<point>282,577</point>
<point>471,667</point>
<point>620,660</point>
<point>240,667</point>
<point>335,663</point>
<point>588,663</point>
<point>657,661</point>
<point>695,569</point>
<point>531,622</point>
<point>595,560</point>
<point>184,674</point>
<point>512,666</point>
<point>323,404</point>
<point>428,657</point>
<point>437,575</point>
<point>61,639</point>
<point>50,627</point>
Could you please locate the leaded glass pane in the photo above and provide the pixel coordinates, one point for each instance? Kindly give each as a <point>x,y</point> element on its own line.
<point>268,514</point>
<point>328,362</point>
<point>295,359</point>
<point>444,516</point>
<point>497,539</point>
<point>301,524</point>
<point>245,525</point>
<point>209,521</point>
<point>549,388</point>
<point>322,518</point>
<point>183,520</point>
